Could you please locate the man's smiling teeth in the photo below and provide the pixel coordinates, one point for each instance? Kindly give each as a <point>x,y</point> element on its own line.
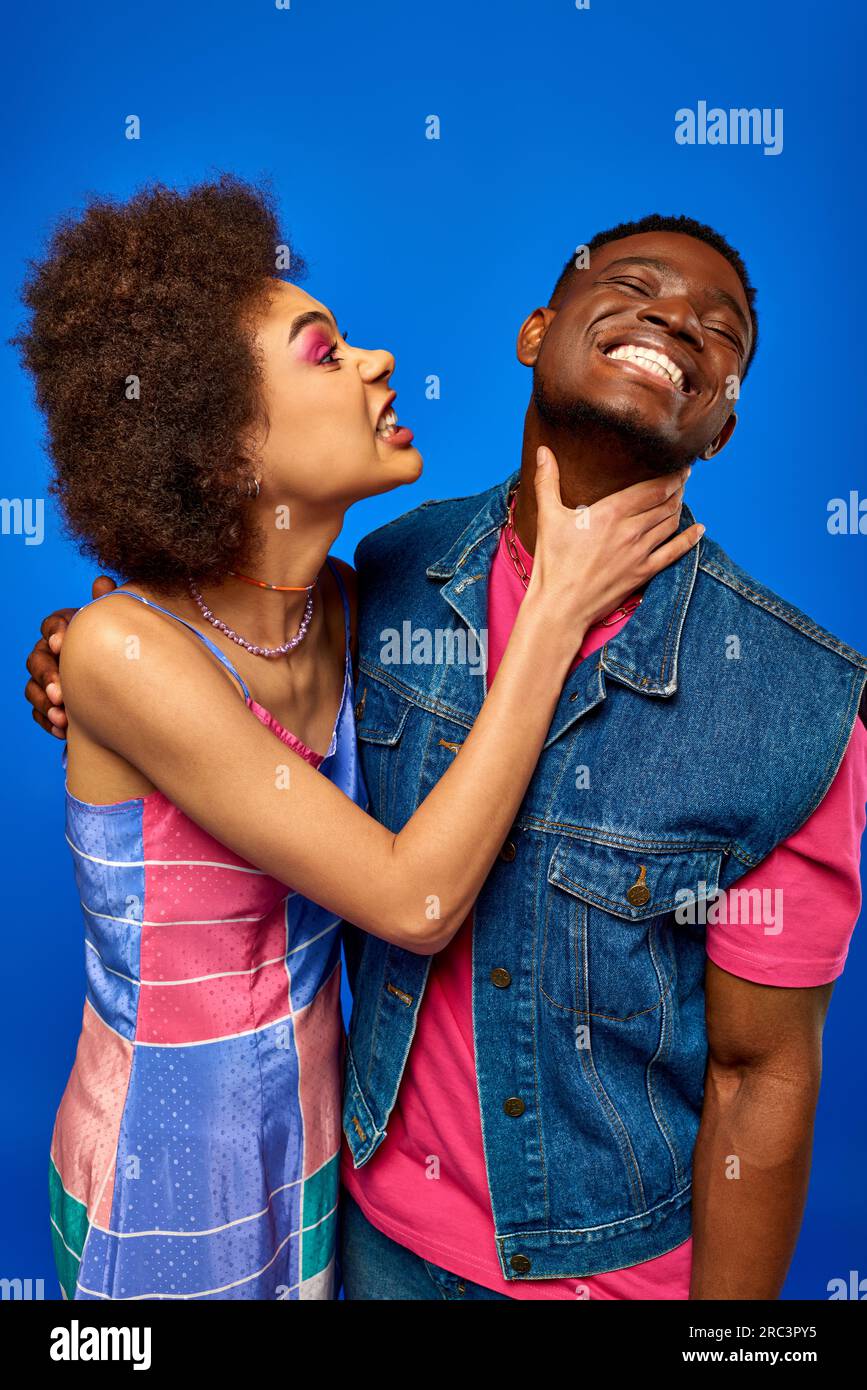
<point>650,361</point>
<point>388,424</point>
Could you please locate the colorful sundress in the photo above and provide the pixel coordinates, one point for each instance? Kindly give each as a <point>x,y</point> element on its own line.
<point>195,1150</point>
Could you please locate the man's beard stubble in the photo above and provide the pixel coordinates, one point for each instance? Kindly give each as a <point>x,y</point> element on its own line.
<point>624,429</point>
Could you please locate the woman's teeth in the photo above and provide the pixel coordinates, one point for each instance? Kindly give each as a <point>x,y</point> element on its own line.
<point>651,361</point>
<point>387,425</point>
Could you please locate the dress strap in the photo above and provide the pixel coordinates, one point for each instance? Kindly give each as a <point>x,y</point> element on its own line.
<point>211,646</point>
<point>347,612</point>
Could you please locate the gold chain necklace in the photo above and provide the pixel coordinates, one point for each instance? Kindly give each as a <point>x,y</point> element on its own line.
<point>520,569</point>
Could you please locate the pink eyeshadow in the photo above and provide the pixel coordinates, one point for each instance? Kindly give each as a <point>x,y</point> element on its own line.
<point>313,346</point>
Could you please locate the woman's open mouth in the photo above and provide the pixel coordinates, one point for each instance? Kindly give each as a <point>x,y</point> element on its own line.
<point>390,432</point>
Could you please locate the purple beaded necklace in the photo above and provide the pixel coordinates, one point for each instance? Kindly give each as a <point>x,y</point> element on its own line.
<point>284,650</point>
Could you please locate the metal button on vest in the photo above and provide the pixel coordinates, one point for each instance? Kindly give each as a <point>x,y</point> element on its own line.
<point>520,1264</point>
<point>514,1106</point>
<point>500,977</point>
<point>508,852</point>
<point>639,893</point>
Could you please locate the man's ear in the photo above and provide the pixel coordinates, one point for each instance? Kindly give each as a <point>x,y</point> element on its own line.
<point>531,334</point>
<point>722,438</point>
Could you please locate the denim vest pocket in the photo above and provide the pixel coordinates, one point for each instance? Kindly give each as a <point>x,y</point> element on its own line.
<point>607,946</point>
<point>380,716</point>
<point>380,712</point>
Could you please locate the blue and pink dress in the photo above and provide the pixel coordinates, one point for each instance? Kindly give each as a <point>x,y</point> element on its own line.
<point>195,1150</point>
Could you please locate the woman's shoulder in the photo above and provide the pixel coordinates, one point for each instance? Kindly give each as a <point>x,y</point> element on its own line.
<point>110,642</point>
<point>96,626</point>
<point>103,618</point>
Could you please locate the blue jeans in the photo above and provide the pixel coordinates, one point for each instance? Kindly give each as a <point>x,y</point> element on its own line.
<point>375,1267</point>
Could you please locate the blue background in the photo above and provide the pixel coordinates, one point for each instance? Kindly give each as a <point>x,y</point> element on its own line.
<point>555,123</point>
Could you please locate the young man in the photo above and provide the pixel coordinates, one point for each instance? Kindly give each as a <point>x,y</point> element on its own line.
<point>606,1086</point>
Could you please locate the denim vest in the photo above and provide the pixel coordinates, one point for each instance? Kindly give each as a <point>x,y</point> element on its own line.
<point>699,737</point>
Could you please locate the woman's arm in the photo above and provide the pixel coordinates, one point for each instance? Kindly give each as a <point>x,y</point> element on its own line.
<point>171,714</point>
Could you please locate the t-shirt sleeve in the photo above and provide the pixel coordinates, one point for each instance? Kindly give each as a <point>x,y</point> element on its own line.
<point>788,921</point>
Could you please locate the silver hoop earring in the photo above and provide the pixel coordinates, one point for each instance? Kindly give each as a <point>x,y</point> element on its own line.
<point>252,487</point>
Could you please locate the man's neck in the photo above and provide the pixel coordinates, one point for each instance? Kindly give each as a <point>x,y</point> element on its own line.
<point>592,464</point>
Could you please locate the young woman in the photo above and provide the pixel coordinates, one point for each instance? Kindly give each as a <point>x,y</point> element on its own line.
<point>209,427</point>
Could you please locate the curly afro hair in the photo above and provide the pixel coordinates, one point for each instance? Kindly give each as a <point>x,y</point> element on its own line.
<point>140,344</point>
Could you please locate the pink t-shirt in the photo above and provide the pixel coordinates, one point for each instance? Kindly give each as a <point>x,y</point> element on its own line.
<point>427,1187</point>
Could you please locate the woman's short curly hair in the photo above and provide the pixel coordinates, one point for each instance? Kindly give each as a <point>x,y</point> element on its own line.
<point>140,344</point>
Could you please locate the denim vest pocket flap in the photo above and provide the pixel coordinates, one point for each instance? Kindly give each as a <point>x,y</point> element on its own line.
<point>608,949</point>
<point>634,883</point>
<point>379,711</point>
